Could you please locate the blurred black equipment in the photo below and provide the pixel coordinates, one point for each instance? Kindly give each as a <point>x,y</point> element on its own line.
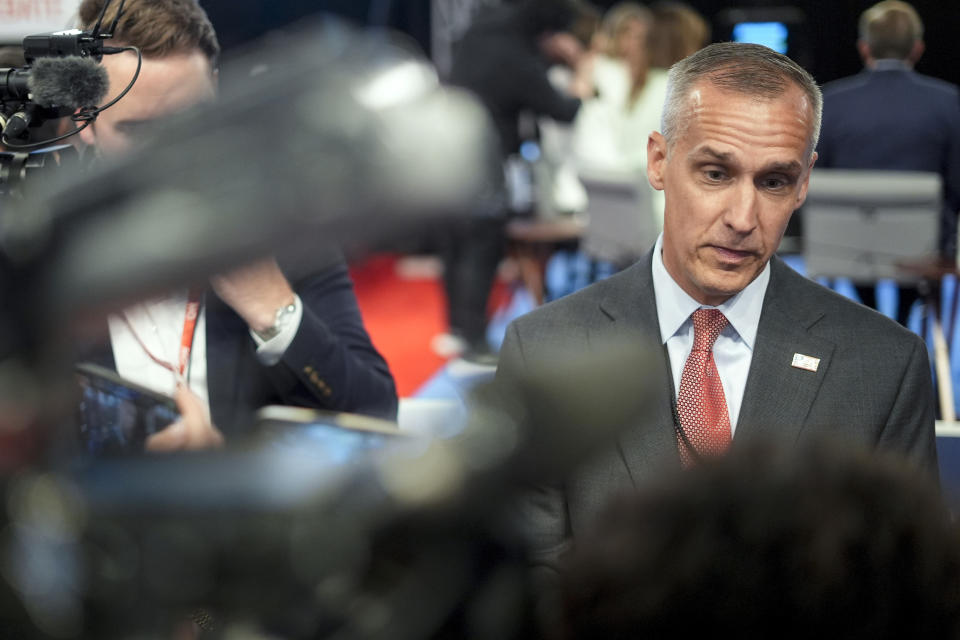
<point>403,538</point>
<point>52,88</point>
<point>17,168</point>
<point>58,86</point>
<point>368,146</point>
<point>335,137</point>
<point>72,42</point>
<point>62,78</point>
<point>69,43</point>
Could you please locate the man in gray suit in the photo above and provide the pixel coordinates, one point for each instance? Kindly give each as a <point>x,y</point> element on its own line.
<point>795,361</point>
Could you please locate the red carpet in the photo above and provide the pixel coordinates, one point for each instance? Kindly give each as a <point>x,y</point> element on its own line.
<point>402,316</point>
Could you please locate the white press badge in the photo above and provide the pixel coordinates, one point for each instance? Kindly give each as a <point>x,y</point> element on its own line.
<point>808,363</point>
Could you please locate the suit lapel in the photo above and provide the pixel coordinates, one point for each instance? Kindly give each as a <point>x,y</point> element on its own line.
<point>778,395</point>
<point>631,305</point>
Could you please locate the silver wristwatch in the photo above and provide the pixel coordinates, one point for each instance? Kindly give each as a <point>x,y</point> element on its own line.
<point>280,320</point>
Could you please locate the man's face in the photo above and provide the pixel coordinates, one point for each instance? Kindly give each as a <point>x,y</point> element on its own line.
<point>166,85</point>
<point>731,179</point>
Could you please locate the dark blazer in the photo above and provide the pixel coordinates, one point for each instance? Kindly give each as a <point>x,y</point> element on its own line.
<point>894,118</point>
<point>331,363</point>
<point>872,387</point>
<point>499,60</point>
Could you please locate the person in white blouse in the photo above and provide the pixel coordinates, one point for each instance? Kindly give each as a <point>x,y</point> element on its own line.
<point>610,131</point>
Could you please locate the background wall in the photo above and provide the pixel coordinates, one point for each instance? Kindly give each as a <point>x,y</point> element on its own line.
<point>831,25</point>
<point>829,31</point>
<point>238,21</point>
<point>832,31</point>
<point>21,17</point>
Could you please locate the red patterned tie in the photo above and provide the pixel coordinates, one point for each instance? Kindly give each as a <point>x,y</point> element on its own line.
<point>700,402</point>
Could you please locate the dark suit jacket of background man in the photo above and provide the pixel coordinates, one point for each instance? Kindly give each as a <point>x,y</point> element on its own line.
<point>894,118</point>
<point>331,363</point>
<point>873,384</point>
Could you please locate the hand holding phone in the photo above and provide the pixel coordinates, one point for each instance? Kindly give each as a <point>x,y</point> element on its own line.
<point>193,430</point>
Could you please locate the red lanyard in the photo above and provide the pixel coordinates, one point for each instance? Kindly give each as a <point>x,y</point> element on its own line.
<point>189,324</point>
<point>190,316</point>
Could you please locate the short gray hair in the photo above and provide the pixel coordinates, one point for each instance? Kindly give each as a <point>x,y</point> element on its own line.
<point>890,29</point>
<point>749,69</point>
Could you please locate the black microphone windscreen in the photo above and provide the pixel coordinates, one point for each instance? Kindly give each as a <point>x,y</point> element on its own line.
<point>70,81</point>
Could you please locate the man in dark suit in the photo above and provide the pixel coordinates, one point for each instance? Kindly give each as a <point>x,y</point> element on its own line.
<point>256,336</point>
<point>790,360</point>
<point>890,117</point>
<point>504,59</point>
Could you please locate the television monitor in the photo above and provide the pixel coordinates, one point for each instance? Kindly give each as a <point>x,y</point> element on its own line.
<point>774,35</point>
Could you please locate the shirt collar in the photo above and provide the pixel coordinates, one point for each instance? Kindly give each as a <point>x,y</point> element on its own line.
<point>674,305</point>
<point>890,64</point>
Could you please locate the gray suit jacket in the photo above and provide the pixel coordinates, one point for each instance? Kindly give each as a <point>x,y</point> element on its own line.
<point>872,387</point>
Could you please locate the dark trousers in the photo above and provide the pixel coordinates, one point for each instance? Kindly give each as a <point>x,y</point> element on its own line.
<point>471,251</point>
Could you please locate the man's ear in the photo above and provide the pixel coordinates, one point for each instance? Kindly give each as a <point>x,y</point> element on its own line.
<point>864,50</point>
<point>656,159</point>
<point>805,185</point>
<point>916,51</point>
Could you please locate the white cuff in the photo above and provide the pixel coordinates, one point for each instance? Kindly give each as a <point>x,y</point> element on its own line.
<point>270,351</point>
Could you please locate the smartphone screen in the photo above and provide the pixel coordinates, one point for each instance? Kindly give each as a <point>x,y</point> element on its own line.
<point>115,416</point>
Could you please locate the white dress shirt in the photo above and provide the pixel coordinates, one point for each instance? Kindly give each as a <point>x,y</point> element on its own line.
<point>159,325</point>
<point>733,349</point>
